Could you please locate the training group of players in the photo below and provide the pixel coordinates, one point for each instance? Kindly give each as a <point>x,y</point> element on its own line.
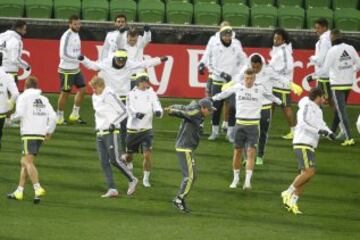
<point>245,87</point>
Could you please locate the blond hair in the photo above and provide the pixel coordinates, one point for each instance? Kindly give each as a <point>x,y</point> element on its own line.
<point>97,82</point>
<point>31,82</point>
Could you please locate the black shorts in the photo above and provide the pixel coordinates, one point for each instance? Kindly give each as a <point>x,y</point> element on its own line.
<point>31,146</point>
<point>246,135</point>
<point>67,80</point>
<point>136,140</point>
<point>305,157</point>
<point>324,84</point>
<point>283,95</point>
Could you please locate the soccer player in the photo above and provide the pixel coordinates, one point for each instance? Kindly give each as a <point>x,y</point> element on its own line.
<point>7,103</point>
<point>110,43</point>
<point>69,71</point>
<point>37,123</point>
<point>282,63</point>
<point>310,125</point>
<point>187,141</point>
<point>249,97</point>
<point>109,112</point>
<point>141,105</point>
<point>341,62</point>
<point>227,59</point>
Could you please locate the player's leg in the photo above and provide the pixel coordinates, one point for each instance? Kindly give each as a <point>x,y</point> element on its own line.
<point>79,82</point>
<point>2,122</point>
<point>252,139</point>
<point>239,145</point>
<point>216,88</point>
<point>18,194</point>
<point>225,123</point>
<point>63,97</point>
<point>289,115</point>
<point>146,147</point>
<point>340,99</point>
<point>106,167</point>
<point>230,134</point>
<point>265,121</point>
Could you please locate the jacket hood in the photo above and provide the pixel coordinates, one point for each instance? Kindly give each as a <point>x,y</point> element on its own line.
<point>32,91</point>
<point>303,102</point>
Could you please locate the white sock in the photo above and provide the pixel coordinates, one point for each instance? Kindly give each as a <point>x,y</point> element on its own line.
<point>248,176</point>
<point>225,124</point>
<point>236,174</point>
<point>215,129</point>
<point>60,113</point>
<point>291,189</point>
<point>146,175</point>
<point>75,110</point>
<point>37,186</point>
<point>294,199</point>
<point>230,131</point>
<point>20,189</point>
<point>292,129</point>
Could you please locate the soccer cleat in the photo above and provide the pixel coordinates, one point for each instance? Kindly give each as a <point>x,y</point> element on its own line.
<point>40,192</point>
<point>285,197</point>
<point>247,186</point>
<point>230,138</point>
<point>234,183</point>
<point>60,120</point>
<point>36,200</point>
<point>180,204</point>
<point>146,183</point>
<point>348,142</point>
<point>111,193</point>
<point>288,136</point>
<point>294,209</point>
<point>74,117</point>
<point>259,161</point>
<point>132,186</point>
<point>213,136</point>
<point>16,196</point>
<point>80,121</point>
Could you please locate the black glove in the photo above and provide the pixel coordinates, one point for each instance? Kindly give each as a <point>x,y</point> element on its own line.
<point>163,58</point>
<point>323,132</point>
<point>309,79</point>
<point>332,136</point>
<point>139,115</point>
<point>81,57</point>
<point>28,68</point>
<point>146,28</point>
<point>157,114</point>
<point>201,68</point>
<point>123,29</point>
<point>111,128</point>
<point>225,76</point>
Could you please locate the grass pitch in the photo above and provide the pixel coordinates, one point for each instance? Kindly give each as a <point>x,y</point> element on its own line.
<point>72,209</point>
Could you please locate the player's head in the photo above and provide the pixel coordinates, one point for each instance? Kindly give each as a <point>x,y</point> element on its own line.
<point>336,37</point>
<point>321,25</point>
<point>74,23</point>
<point>120,21</point>
<point>31,82</point>
<point>120,58</point>
<point>132,36</point>
<point>226,34</point>
<point>256,63</point>
<point>20,27</point>
<point>206,107</point>
<point>249,77</point>
<point>317,95</point>
<point>280,36</point>
<point>224,24</point>
<point>97,84</point>
<point>142,80</point>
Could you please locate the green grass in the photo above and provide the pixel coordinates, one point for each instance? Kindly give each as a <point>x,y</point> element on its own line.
<point>70,171</point>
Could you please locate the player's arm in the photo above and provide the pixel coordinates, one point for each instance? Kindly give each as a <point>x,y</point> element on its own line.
<point>179,111</point>
<point>329,60</point>
<point>65,49</point>
<point>15,53</point>
<point>356,58</point>
<point>146,38</point>
<point>12,88</point>
<point>156,105</point>
<point>129,105</point>
<point>276,77</point>
<point>20,109</point>
<point>51,119</point>
<point>92,65</point>
<point>268,95</point>
<point>146,63</point>
<point>105,48</point>
<point>225,94</point>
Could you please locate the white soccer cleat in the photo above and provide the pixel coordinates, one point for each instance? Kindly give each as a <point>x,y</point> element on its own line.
<point>234,183</point>
<point>132,186</point>
<point>213,136</point>
<point>146,183</point>
<point>247,186</point>
<point>111,193</point>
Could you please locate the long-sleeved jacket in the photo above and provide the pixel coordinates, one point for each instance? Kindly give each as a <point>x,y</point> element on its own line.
<point>248,100</point>
<point>110,44</point>
<point>36,115</point>
<point>7,84</point>
<point>118,79</point>
<point>12,43</point>
<point>70,49</point>
<point>108,110</point>
<point>309,122</point>
<point>188,137</point>
<point>321,48</point>
<point>229,59</point>
<point>142,101</point>
<point>282,63</point>
<point>341,62</point>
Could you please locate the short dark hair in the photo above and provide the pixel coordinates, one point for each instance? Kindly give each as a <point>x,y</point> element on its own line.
<point>249,71</point>
<point>315,92</point>
<point>19,24</point>
<point>336,37</point>
<point>133,31</point>
<point>322,22</point>
<point>31,82</point>
<point>73,18</point>
<point>120,16</point>
<point>283,33</point>
<point>256,59</point>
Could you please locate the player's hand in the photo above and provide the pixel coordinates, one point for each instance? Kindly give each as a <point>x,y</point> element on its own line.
<point>309,79</point>
<point>48,136</point>
<point>332,136</point>
<point>323,132</point>
<point>164,58</point>
<point>81,57</point>
<point>167,109</point>
<point>201,68</point>
<point>158,114</point>
<point>146,28</point>
<point>123,29</point>
<point>11,104</point>
<point>225,76</point>
<point>139,115</point>
<point>112,128</point>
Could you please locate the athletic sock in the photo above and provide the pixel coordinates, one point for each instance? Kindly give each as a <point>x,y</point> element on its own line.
<point>146,175</point>
<point>215,129</point>
<point>75,111</point>
<point>19,189</point>
<point>225,124</point>
<point>37,186</point>
<point>230,131</point>
<point>291,189</point>
<point>60,113</point>
<point>292,129</point>
<point>293,200</point>
<point>236,174</point>
<point>248,176</point>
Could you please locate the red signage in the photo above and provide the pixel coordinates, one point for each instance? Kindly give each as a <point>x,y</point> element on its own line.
<point>177,77</point>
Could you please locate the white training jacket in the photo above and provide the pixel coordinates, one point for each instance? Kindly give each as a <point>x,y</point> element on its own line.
<point>309,122</point>
<point>108,110</point>
<point>229,59</point>
<point>118,79</point>
<point>36,115</point>
<point>110,44</point>
<point>136,52</point>
<point>142,101</point>
<point>248,100</point>
<point>7,84</point>
<point>341,62</point>
<point>282,63</point>
<point>12,45</point>
<point>321,49</point>
<point>70,49</point>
